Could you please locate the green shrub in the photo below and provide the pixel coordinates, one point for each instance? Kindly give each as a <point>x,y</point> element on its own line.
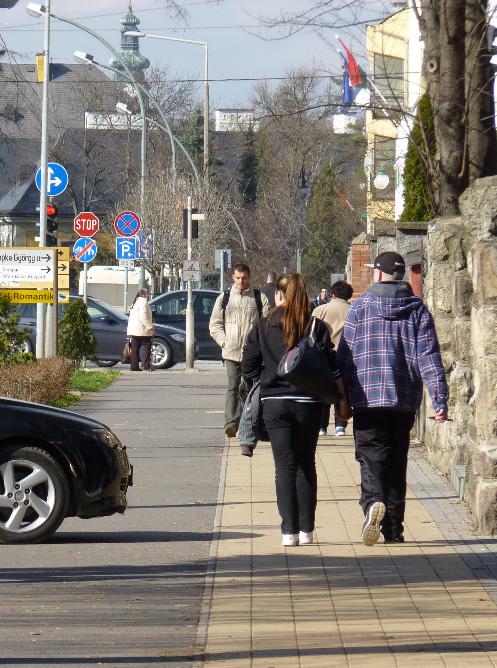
<point>11,338</point>
<point>76,339</point>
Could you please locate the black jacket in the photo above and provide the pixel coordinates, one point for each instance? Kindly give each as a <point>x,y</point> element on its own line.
<point>264,348</point>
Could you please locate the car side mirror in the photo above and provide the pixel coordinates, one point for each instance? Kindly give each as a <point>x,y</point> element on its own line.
<point>153,308</point>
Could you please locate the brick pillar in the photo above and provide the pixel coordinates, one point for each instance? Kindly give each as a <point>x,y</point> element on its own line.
<point>361,275</point>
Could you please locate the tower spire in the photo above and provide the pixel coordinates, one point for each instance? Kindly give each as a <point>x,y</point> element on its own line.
<point>130,46</point>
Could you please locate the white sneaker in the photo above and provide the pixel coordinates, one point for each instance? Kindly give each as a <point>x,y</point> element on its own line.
<point>305,538</point>
<point>322,432</point>
<point>339,431</point>
<point>371,526</point>
<point>290,539</point>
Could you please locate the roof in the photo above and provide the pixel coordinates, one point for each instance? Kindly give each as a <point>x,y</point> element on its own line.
<point>73,89</point>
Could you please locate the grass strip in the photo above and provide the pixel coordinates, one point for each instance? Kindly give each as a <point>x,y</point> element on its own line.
<point>85,381</point>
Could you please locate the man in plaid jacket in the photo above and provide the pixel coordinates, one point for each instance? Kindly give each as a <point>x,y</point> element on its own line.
<point>389,347</point>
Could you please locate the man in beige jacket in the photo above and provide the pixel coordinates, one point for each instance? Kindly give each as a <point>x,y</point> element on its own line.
<point>333,314</point>
<point>234,314</point>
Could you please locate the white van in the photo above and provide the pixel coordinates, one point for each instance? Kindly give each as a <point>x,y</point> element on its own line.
<point>107,284</point>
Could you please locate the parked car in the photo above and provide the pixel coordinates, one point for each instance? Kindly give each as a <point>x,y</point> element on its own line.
<point>56,464</point>
<point>109,326</point>
<point>170,309</point>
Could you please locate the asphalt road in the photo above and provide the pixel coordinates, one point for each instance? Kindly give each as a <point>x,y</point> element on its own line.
<point>126,590</point>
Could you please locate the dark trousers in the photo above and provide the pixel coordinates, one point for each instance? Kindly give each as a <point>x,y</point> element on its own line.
<point>382,443</point>
<point>325,417</point>
<point>294,429</point>
<point>232,409</point>
<point>141,351</point>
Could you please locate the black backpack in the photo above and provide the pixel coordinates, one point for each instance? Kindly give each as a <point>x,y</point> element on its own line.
<point>226,298</point>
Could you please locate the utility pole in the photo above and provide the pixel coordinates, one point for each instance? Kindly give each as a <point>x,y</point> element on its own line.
<point>190,324</point>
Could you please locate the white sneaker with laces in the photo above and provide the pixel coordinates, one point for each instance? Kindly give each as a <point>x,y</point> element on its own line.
<point>371,526</point>
<point>305,538</point>
<point>290,539</point>
<point>339,431</point>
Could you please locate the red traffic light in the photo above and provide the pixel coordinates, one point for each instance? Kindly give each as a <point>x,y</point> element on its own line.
<point>52,210</point>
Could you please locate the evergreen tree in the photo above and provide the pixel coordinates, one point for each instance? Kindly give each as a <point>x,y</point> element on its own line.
<point>247,171</point>
<point>193,136</point>
<point>419,185</point>
<point>325,253</point>
<point>11,339</point>
<point>76,339</point>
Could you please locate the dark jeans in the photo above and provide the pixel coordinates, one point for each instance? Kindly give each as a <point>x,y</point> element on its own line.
<point>141,351</point>
<point>382,443</point>
<point>294,429</point>
<point>325,418</point>
<point>232,409</point>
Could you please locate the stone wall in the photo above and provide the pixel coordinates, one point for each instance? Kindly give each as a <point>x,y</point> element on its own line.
<point>461,291</point>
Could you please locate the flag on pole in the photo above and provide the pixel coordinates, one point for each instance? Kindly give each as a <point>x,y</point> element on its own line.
<point>347,91</point>
<point>356,75</point>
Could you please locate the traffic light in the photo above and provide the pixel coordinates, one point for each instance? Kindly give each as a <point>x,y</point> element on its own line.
<point>194,224</point>
<point>52,224</point>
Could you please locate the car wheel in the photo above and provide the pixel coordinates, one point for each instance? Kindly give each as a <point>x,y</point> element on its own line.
<point>106,362</point>
<point>162,355</point>
<point>34,495</point>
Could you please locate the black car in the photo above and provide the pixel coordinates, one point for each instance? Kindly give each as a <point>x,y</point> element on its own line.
<point>56,464</point>
<point>170,309</point>
<point>109,326</point>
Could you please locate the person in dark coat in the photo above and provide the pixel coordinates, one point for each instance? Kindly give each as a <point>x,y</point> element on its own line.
<point>270,288</point>
<point>291,416</point>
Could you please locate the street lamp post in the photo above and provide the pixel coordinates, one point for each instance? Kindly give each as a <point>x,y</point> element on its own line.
<point>40,308</point>
<point>132,33</point>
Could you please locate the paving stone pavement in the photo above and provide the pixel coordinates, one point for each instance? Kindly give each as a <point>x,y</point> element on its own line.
<point>431,600</point>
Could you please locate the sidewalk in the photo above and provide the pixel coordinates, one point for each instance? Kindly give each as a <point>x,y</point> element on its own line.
<point>429,602</point>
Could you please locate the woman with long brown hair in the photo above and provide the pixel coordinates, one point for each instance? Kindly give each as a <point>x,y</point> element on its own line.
<point>291,416</point>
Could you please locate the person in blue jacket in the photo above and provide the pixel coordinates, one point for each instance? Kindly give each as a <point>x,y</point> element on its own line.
<point>389,347</point>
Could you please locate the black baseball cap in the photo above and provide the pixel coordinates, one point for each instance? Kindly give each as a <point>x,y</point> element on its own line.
<point>389,263</point>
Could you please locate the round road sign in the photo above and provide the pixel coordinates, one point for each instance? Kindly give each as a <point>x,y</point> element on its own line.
<point>86,224</point>
<point>85,249</point>
<point>127,223</point>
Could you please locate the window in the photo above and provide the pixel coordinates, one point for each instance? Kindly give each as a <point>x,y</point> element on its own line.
<point>205,304</point>
<point>389,80</point>
<point>384,162</point>
<point>172,306</point>
<point>94,313</point>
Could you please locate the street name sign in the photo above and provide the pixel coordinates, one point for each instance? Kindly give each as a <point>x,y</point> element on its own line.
<point>86,224</point>
<point>35,296</point>
<point>85,249</point>
<point>57,179</point>
<point>127,223</point>
<point>26,267</point>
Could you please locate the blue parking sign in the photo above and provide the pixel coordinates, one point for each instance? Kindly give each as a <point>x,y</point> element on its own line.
<point>125,248</point>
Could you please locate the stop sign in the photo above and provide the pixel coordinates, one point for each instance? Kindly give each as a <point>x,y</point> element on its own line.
<point>86,224</point>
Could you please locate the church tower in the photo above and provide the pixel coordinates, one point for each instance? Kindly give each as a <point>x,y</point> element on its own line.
<point>130,47</point>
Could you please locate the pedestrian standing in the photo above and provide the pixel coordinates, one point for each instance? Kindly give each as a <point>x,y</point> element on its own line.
<point>322,298</point>
<point>291,416</point>
<point>388,349</point>
<point>333,314</point>
<point>270,288</point>
<point>235,312</point>
<point>141,331</point>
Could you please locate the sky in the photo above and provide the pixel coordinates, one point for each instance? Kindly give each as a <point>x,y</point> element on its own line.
<point>232,29</point>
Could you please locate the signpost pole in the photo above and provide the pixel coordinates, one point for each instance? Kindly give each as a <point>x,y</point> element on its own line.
<point>85,282</point>
<point>126,285</point>
<point>190,324</point>
<point>55,307</point>
<point>40,308</point>
<point>221,270</point>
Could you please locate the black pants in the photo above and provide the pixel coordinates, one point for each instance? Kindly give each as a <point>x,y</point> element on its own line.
<point>141,351</point>
<point>293,428</point>
<point>382,443</point>
<point>325,417</point>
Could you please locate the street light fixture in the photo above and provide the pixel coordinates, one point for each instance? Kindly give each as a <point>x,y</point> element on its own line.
<point>136,33</point>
